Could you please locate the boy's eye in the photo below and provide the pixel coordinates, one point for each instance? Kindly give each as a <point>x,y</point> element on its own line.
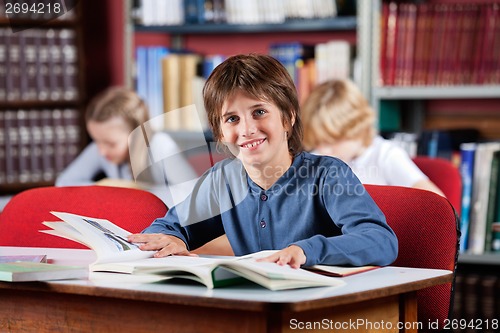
<point>231,119</point>
<point>260,112</point>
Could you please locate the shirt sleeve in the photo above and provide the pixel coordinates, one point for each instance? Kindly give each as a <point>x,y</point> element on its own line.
<point>83,169</point>
<point>365,237</point>
<point>197,219</point>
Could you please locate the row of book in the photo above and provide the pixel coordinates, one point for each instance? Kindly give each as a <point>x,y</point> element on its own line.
<point>480,169</point>
<point>177,12</point>
<point>476,305</point>
<point>170,80</point>
<point>479,165</point>
<point>36,145</point>
<point>38,65</point>
<point>439,44</point>
<point>40,10</point>
<point>310,65</point>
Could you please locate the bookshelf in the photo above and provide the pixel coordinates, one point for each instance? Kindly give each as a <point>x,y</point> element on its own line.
<point>227,39</point>
<point>41,96</point>
<point>96,49</point>
<point>484,259</point>
<point>440,92</point>
<point>428,105</point>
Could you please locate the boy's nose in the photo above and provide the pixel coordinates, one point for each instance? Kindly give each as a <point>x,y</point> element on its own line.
<point>248,127</point>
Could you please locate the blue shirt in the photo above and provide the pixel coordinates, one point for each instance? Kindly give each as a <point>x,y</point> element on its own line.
<point>317,204</point>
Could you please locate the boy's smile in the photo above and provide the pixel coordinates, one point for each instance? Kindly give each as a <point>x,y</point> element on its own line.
<point>252,145</point>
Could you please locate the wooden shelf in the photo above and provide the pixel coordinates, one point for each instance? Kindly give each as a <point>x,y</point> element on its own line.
<point>479,259</point>
<point>339,23</point>
<point>18,187</point>
<point>438,92</point>
<point>9,105</point>
<point>28,23</point>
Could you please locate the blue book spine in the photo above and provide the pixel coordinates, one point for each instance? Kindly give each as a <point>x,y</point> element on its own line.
<point>210,62</point>
<point>141,74</point>
<point>150,85</point>
<point>467,153</point>
<point>194,11</point>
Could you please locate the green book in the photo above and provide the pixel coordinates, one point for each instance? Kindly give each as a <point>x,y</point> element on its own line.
<point>32,258</point>
<point>491,216</point>
<point>37,271</point>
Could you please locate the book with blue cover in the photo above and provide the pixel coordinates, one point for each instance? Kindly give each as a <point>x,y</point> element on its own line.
<point>467,153</point>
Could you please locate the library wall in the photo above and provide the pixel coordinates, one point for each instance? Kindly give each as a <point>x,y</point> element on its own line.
<point>103,32</point>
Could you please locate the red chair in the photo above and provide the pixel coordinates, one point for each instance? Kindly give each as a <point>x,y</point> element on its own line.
<point>22,217</point>
<point>445,175</point>
<point>201,162</point>
<point>427,228</point>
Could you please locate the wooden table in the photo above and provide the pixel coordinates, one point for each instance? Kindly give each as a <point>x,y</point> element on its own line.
<point>373,301</point>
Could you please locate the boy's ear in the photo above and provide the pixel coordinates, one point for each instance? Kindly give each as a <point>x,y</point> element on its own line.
<point>292,121</point>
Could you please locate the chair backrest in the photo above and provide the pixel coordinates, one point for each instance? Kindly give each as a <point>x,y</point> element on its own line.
<point>445,175</point>
<point>22,217</point>
<point>203,161</point>
<point>428,234</point>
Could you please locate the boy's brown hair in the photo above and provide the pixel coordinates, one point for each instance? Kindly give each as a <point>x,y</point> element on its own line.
<point>263,78</point>
<point>118,102</point>
<point>337,110</point>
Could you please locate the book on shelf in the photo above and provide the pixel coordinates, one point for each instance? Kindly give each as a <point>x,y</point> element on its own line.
<point>480,195</point>
<point>438,43</point>
<point>39,65</point>
<point>21,271</point>
<point>491,216</point>
<point>28,142</point>
<point>467,153</point>
<point>116,254</point>
<point>475,296</point>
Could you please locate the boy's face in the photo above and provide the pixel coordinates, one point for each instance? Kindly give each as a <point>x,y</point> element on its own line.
<point>111,137</point>
<point>346,150</point>
<point>254,132</point>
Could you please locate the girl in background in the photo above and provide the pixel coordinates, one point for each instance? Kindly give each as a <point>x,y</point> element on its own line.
<point>339,122</point>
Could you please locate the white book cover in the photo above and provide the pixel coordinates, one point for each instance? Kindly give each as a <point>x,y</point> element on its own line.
<point>480,193</point>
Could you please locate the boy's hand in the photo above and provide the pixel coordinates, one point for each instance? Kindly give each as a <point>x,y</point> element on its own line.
<point>292,255</point>
<point>165,244</point>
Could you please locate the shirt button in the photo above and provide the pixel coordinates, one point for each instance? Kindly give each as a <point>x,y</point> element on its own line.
<point>263,197</point>
<point>262,224</point>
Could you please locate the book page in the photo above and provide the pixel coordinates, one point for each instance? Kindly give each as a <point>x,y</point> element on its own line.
<point>107,239</point>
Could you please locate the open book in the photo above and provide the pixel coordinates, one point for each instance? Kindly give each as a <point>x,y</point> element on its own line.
<point>116,254</point>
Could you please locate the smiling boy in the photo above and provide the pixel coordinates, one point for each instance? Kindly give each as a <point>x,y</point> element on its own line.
<point>272,195</point>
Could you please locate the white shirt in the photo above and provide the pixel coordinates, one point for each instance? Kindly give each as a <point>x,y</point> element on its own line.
<point>169,169</point>
<point>385,163</point>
